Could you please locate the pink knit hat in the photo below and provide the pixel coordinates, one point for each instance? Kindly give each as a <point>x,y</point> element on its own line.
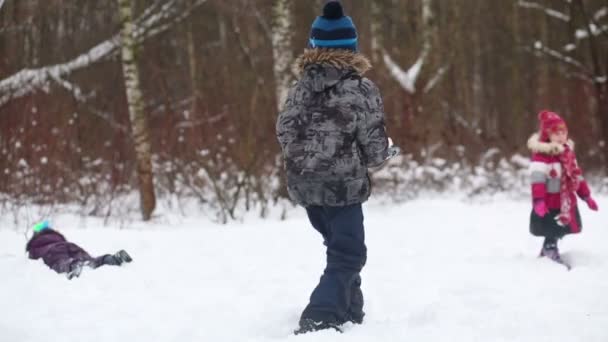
<point>550,122</point>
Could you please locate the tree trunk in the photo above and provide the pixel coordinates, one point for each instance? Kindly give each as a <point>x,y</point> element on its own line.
<point>484,119</point>
<point>544,72</point>
<point>194,68</point>
<point>519,115</point>
<point>282,33</point>
<point>376,31</point>
<point>137,116</point>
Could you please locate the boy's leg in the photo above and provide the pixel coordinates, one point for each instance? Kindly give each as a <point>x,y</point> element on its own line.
<point>318,219</point>
<point>346,254</point>
<point>355,312</point>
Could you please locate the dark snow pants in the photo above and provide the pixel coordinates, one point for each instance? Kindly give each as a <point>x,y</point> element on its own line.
<point>338,297</point>
<point>67,265</point>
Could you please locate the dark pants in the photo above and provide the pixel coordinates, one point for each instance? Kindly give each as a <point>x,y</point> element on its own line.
<point>107,259</point>
<point>68,265</point>
<point>338,297</point>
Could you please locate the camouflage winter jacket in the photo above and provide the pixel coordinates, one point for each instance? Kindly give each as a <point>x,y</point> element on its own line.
<point>331,129</point>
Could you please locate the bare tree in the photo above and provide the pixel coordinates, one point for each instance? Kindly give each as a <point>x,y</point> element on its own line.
<point>137,115</point>
<point>585,56</point>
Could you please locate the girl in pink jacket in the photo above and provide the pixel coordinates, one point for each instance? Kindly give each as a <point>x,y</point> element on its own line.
<point>556,182</point>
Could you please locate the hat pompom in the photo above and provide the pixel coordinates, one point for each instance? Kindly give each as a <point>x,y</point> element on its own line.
<point>333,10</point>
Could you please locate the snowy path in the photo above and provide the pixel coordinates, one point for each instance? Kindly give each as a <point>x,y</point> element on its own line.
<point>438,270</point>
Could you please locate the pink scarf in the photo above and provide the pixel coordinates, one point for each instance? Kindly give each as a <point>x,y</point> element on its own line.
<point>569,184</point>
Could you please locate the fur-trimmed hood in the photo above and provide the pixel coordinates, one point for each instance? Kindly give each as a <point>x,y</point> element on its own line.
<point>338,58</point>
<point>537,146</point>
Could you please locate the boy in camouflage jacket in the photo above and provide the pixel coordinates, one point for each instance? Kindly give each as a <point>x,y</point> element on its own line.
<point>331,131</point>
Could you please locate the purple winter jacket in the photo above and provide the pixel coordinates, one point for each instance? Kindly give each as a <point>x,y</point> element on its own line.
<point>56,252</point>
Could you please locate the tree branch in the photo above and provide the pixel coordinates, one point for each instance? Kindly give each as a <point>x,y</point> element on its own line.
<point>436,79</point>
<point>407,79</point>
<point>548,11</point>
<point>540,47</point>
<point>583,72</point>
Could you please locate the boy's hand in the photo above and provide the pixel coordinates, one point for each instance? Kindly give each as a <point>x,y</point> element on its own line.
<point>591,204</point>
<point>393,151</point>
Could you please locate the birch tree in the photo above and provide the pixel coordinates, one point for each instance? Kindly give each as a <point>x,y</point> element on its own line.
<point>137,115</point>
<point>282,35</point>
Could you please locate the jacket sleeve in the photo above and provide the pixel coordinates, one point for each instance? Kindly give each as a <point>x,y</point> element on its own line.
<point>539,171</point>
<point>371,132</point>
<point>285,125</point>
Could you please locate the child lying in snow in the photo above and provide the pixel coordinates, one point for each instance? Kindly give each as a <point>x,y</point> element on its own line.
<point>66,257</point>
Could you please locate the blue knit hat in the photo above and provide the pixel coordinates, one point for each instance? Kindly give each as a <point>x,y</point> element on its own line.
<point>333,30</point>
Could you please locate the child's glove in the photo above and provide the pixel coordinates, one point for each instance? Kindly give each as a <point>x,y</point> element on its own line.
<point>591,203</point>
<point>540,208</point>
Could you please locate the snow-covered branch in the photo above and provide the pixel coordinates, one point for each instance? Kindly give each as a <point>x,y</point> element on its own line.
<point>539,46</point>
<point>548,11</point>
<point>408,78</point>
<point>583,33</point>
<point>582,71</point>
<point>28,80</point>
<point>149,24</point>
<point>600,13</point>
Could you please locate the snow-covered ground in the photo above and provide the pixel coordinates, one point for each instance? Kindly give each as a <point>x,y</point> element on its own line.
<point>438,270</point>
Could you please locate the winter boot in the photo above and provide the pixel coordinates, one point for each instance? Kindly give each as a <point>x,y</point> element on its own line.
<point>308,325</point>
<point>123,256</point>
<point>550,249</point>
<point>355,317</point>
